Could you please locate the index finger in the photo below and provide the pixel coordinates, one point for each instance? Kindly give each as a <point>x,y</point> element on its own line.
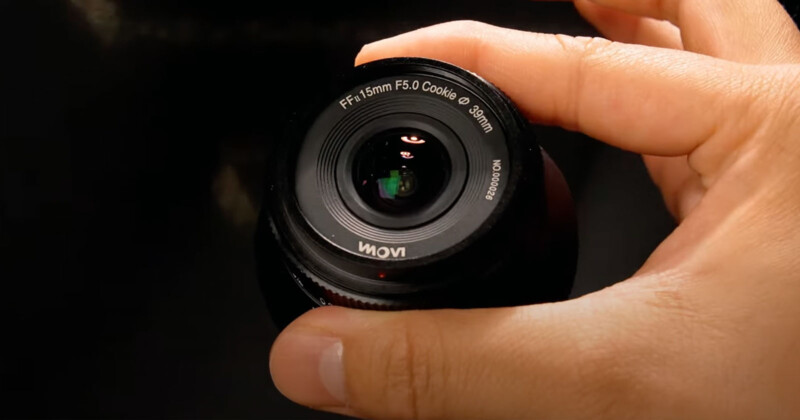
<point>749,31</point>
<point>643,99</point>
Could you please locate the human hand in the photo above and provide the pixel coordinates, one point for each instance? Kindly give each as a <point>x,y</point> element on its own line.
<point>708,327</point>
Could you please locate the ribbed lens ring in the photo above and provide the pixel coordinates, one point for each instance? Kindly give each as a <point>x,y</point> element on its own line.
<point>391,107</point>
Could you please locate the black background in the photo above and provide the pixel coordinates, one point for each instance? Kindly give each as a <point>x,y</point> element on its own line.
<point>134,138</point>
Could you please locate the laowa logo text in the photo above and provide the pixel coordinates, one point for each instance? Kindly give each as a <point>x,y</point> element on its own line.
<point>382,252</point>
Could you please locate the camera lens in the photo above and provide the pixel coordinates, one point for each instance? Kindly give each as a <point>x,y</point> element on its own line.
<point>401,171</point>
<point>413,184</point>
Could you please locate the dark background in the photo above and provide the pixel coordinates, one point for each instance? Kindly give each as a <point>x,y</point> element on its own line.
<point>134,139</point>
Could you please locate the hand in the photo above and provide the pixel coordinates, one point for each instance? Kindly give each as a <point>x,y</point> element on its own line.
<point>709,327</point>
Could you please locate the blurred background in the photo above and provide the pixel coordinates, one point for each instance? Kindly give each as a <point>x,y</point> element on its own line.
<point>134,135</point>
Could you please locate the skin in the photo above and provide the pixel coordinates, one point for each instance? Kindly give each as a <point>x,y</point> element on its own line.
<point>709,327</point>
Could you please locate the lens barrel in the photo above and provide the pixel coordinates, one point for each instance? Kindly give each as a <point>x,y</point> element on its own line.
<point>416,184</point>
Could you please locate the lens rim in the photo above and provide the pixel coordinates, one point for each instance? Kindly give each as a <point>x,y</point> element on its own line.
<point>322,206</point>
<point>328,269</point>
<point>451,191</point>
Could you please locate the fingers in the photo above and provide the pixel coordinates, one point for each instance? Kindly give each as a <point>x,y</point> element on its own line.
<point>680,185</point>
<point>747,31</point>
<point>652,101</point>
<point>632,29</point>
<point>528,362</point>
<point>736,36</point>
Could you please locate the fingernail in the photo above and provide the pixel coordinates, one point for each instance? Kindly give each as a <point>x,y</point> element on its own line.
<point>331,371</point>
<point>307,368</point>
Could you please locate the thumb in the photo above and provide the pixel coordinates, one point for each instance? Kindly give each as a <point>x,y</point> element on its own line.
<point>523,362</point>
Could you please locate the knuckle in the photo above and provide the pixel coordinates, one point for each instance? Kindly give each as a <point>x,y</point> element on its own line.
<point>586,48</point>
<point>411,369</point>
<point>768,121</point>
<point>587,53</point>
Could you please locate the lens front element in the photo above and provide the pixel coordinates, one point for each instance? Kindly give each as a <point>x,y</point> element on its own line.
<point>401,171</point>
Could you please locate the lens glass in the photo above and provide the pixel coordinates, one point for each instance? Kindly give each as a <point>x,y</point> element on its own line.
<point>401,171</point>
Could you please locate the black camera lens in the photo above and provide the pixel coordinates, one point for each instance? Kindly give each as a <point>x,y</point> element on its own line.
<point>401,171</point>
<point>413,184</point>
